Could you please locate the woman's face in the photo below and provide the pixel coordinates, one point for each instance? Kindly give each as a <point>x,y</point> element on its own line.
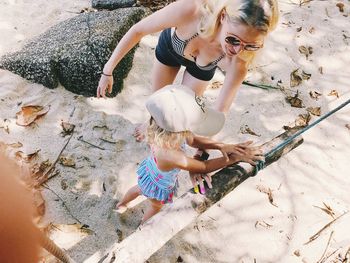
<point>236,37</point>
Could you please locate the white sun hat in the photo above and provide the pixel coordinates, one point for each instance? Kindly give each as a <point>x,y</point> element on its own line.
<point>176,108</point>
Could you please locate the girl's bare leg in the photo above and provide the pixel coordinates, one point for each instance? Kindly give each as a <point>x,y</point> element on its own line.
<point>162,75</point>
<point>130,195</point>
<point>153,208</point>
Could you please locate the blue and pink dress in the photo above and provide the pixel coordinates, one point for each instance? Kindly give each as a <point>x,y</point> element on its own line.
<point>155,183</point>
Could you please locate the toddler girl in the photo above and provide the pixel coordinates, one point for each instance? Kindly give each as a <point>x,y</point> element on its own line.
<point>178,117</point>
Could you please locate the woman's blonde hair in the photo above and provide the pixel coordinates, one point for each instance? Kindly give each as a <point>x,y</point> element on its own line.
<point>165,139</point>
<point>259,14</point>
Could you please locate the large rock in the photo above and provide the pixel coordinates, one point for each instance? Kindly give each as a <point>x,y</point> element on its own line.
<point>74,51</point>
<point>112,4</point>
<point>155,4</point>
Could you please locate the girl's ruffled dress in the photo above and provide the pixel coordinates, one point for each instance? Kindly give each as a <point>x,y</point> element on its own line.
<point>155,183</point>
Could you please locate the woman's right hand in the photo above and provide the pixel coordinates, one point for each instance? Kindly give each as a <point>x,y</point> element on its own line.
<point>105,85</point>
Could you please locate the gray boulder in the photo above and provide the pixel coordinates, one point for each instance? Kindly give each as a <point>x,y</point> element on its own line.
<point>112,4</point>
<point>74,51</point>
<point>154,5</point>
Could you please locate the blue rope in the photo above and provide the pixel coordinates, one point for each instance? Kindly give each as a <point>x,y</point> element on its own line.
<point>261,164</point>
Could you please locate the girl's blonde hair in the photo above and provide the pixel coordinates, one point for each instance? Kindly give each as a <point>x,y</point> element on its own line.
<point>165,139</point>
<point>259,14</point>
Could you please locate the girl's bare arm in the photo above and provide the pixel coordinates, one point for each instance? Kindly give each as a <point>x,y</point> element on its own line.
<point>181,161</point>
<point>200,142</point>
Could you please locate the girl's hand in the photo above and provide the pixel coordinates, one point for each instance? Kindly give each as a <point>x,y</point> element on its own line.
<point>250,154</point>
<point>198,179</point>
<point>105,85</point>
<point>238,149</point>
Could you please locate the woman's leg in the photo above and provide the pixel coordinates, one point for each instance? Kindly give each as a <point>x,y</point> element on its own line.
<point>130,195</point>
<point>162,75</point>
<point>154,208</point>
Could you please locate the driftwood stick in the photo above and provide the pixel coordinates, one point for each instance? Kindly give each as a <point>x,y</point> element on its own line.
<point>63,203</point>
<point>80,138</point>
<point>163,226</point>
<point>45,175</point>
<point>325,250</point>
<point>315,236</point>
<point>55,250</point>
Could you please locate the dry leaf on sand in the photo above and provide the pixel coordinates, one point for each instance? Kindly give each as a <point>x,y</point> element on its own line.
<point>66,161</point>
<point>15,145</point>
<point>67,128</point>
<point>26,157</point>
<point>305,76</point>
<point>263,224</point>
<point>6,129</point>
<point>267,191</point>
<point>307,51</point>
<point>341,7</point>
<point>333,93</point>
<point>295,78</point>
<point>303,120</point>
<point>314,110</point>
<point>295,101</point>
<point>38,170</point>
<point>315,95</point>
<point>30,113</point>
<point>247,130</point>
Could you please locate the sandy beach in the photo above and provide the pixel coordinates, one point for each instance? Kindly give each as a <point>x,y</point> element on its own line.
<point>309,186</point>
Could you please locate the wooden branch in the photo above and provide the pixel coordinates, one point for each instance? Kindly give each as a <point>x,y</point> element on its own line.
<point>315,236</point>
<point>45,175</point>
<point>55,250</point>
<point>80,138</point>
<point>163,226</point>
<point>325,250</point>
<point>63,203</point>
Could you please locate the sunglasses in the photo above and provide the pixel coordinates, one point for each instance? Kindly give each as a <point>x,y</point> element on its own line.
<point>236,41</point>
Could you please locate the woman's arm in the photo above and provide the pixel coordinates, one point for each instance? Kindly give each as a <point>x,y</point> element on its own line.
<point>179,13</point>
<point>173,15</point>
<point>236,72</point>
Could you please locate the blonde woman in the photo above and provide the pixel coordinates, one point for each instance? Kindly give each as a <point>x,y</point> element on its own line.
<point>175,117</point>
<point>200,35</point>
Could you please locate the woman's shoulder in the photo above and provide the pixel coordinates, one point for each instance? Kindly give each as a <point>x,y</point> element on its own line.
<point>190,8</point>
